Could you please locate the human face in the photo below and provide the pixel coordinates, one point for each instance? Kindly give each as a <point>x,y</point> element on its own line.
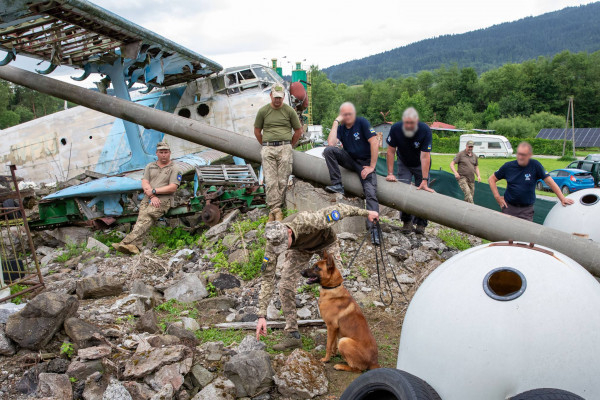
<point>469,150</point>
<point>409,127</point>
<point>523,155</point>
<point>164,156</point>
<point>348,115</point>
<point>276,102</point>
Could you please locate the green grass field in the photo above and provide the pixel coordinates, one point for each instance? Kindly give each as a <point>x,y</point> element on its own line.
<point>487,166</point>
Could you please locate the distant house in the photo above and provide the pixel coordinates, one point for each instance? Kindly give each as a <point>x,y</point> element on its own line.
<point>383,130</point>
<point>437,125</point>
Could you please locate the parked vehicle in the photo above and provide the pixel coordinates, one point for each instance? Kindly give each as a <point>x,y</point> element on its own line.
<point>593,167</point>
<point>487,145</point>
<point>568,180</point>
<point>592,157</point>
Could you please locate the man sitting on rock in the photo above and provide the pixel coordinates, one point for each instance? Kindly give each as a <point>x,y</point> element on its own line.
<point>302,235</point>
<point>161,179</point>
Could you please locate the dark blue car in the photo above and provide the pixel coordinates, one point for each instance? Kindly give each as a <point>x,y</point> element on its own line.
<point>568,180</point>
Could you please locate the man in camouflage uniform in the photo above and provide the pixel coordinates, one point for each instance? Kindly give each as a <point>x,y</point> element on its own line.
<point>467,165</point>
<point>302,235</point>
<point>161,179</point>
<point>273,130</point>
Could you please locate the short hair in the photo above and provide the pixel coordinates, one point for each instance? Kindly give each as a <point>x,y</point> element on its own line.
<point>347,103</point>
<point>410,113</point>
<point>526,144</point>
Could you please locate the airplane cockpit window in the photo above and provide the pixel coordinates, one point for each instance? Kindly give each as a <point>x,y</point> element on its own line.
<point>247,74</point>
<point>232,79</point>
<point>218,83</point>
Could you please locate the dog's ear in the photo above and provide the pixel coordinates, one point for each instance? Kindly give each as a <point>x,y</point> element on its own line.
<point>330,261</point>
<point>325,255</point>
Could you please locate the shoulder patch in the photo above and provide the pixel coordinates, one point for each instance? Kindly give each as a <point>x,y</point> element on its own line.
<point>334,216</point>
<point>372,130</point>
<point>429,147</point>
<point>179,177</point>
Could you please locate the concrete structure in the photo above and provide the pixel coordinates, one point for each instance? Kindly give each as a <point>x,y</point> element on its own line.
<point>582,218</point>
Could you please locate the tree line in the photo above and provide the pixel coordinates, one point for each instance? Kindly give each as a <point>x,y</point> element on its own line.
<point>19,104</point>
<point>516,100</point>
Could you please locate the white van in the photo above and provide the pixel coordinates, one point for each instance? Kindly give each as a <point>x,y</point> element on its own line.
<point>487,145</point>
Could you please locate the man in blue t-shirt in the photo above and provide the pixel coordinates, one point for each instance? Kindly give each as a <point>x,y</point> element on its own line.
<point>359,154</point>
<point>521,177</point>
<point>411,141</point>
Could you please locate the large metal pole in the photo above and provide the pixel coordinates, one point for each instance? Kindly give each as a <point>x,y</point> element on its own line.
<point>442,209</point>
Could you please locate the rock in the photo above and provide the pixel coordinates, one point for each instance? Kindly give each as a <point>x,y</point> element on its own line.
<point>35,325</point>
<point>132,305</point>
<point>93,353</point>
<point>55,386</point>
<point>29,382</point>
<point>166,393</point>
<point>71,234</point>
<point>347,236</point>
<point>221,389</point>
<point>300,376</point>
<point>148,322</point>
<point>81,370</point>
<point>230,317</point>
<point>250,372</point>
<point>223,281</point>
<point>220,303</point>
<point>220,229</point>
<point>7,309</point>
<point>116,391</point>
<point>187,290</point>
<point>201,376</point>
<point>213,350</point>
<point>181,255</point>
<point>65,286</point>
<point>82,332</point>
<point>255,214</point>
<point>162,340</point>
<point>138,391</point>
<point>58,366</point>
<point>251,235</point>
<point>138,287</point>
<point>405,278</point>
<point>273,313</point>
<point>250,317</point>
<point>378,303</point>
<point>170,374</point>
<point>304,313</point>
<point>95,287</point>
<point>239,256</point>
<point>230,240</point>
<point>190,324</point>
<point>7,348</point>
<point>90,270</point>
<point>94,244</point>
<point>95,386</point>
<point>249,343</point>
<point>183,334</point>
<point>399,253</point>
<point>145,361</point>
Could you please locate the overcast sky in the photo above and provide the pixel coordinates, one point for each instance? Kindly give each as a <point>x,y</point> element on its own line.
<point>324,32</point>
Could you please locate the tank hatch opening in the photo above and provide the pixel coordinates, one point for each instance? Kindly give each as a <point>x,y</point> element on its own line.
<point>504,284</point>
<point>589,199</point>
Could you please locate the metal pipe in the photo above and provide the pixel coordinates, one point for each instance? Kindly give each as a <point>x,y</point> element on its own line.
<point>444,210</point>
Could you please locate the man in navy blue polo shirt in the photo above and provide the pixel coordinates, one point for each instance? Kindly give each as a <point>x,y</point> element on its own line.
<point>521,177</point>
<point>411,140</point>
<point>359,154</point>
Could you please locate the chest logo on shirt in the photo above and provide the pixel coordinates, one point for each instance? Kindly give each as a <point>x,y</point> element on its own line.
<point>527,177</point>
<point>356,136</point>
<point>417,144</point>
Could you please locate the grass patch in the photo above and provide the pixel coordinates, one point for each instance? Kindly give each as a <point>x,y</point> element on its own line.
<point>454,239</point>
<point>314,289</point>
<point>167,239</point>
<point>172,311</point>
<point>71,251</point>
<point>275,337</point>
<point>227,336</point>
<point>14,289</point>
<point>108,238</point>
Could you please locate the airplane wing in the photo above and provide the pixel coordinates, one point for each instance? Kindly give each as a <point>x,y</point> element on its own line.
<point>83,35</point>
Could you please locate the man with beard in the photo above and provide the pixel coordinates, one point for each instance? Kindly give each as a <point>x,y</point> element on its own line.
<point>467,165</point>
<point>411,141</point>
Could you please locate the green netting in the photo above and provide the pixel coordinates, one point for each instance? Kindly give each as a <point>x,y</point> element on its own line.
<point>445,183</point>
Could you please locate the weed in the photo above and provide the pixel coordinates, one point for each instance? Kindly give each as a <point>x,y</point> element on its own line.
<point>173,310</point>
<point>108,238</point>
<point>130,319</point>
<point>314,289</point>
<point>363,272</point>
<point>67,349</point>
<point>454,239</point>
<point>275,337</point>
<point>227,336</point>
<point>167,239</point>
<point>72,379</point>
<point>16,289</point>
<point>71,250</point>
<point>212,290</point>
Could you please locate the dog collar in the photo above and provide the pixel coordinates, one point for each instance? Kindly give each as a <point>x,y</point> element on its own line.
<point>331,287</point>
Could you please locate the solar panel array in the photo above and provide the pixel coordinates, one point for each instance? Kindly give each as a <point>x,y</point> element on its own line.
<point>584,137</point>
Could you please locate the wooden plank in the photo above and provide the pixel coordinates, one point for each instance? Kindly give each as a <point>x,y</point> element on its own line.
<point>270,324</point>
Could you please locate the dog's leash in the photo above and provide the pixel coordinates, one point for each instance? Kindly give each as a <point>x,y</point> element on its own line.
<point>380,252</point>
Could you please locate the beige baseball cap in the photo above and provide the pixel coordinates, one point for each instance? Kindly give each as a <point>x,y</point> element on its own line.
<point>470,143</point>
<point>162,146</point>
<point>277,90</point>
<point>276,234</point>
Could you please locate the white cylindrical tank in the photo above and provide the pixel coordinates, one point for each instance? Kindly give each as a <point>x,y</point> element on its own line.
<point>503,318</point>
<point>580,218</point>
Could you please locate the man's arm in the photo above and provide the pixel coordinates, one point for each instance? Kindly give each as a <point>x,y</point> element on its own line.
<point>554,187</point>
<point>308,222</point>
<point>425,164</point>
<point>494,188</point>
<point>296,137</point>
<point>332,138</point>
<point>389,158</point>
<point>454,170</point>
<point>168,189</point>
<point>258,134</point>
<point>478,173</point>
<point>146,187</point>
<point>267,283</point>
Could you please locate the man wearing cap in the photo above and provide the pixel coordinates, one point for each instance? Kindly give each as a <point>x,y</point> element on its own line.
<point>301,235</point>
<point>160,181</point>
<point>468,166</point>
<point>273,130</point>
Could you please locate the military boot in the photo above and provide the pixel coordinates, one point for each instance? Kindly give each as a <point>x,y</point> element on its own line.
<point>271,216</point>
<point>292,341</point>
<point>420,230</point>
<point>407,228</point>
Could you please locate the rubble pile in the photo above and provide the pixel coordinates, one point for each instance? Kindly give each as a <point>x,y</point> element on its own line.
<point>109,326</point>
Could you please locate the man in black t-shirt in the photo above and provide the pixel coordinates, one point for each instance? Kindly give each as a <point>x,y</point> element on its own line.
<point>359,153</point>
<point>411,141</point>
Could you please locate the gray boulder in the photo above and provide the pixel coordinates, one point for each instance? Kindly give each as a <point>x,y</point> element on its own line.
<point>29,382</point>
<point>250,372</point>
<point>81,370</point>
<point>97,286</point>
<point>8,309</point>
<point>145,361</point>
<point>220,229</point>
<point>34,326</point>
<point>300,376</point>
<point>166,393</point>
<point>54,386</point>
<point>187,290</point>
<point>220,303</point>
<point>148,322</point>
<point>116,391</point>
<point>249,343</point>
<point>7,348</point>
<point>58,365</point>
<point>221,389</point>
<point>94,244</point>
<point>82,333</point>
<point>224,281</point>
<point>201,376</point>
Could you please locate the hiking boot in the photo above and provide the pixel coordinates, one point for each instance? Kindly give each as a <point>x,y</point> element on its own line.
<point>278,214</point>
<point>271,216</point>
<point>420,230</point>
<point>292,341</point>
<point>375,236</point>
<point>407,228</point>
<point>126,248</point>
<point>335,189</point>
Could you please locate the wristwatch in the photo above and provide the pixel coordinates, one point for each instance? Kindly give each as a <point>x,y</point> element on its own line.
<point>154,191</point>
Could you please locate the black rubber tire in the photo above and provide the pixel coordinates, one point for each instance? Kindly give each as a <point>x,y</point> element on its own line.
<point>539,186</point>
<point>547,394</point>
<point>389,384</point>
<point>565,190</point>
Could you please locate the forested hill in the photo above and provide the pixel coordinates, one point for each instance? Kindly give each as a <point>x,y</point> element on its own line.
<point>574,29</point>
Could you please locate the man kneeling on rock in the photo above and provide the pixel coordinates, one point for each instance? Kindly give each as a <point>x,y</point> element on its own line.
<point>301,235</point>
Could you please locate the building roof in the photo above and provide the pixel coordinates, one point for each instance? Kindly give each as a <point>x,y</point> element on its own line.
<point>441,125</point>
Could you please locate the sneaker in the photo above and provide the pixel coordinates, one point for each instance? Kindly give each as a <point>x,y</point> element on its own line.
<point>292,341</point>
<point>375,237</point>
<point>335,189</point>
<point>407,228</point>
<point>420,230</point>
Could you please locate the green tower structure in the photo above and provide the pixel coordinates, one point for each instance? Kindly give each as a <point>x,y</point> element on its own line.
<point>299,75</point>
<point>276,68</point>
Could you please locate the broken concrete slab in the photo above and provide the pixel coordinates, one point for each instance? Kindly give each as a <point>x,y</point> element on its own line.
<point>97,286</point>
<point>146,361</point>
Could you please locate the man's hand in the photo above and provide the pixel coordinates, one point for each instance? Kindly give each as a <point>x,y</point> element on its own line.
<point>148,191</point>
<point>501,202</point>
<point>367,169</point>
<point>261,328</point>
<point>425,187</point>
<point>155,201</point>
<point>566,202</point>
<point>391,178</point>
<point>479,178</point>
<point>456,175</point>
<point>339,119</point>
<point>373,215</point>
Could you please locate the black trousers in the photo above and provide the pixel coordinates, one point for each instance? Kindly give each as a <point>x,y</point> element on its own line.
<point>334,157</point>
<point>406,175</point>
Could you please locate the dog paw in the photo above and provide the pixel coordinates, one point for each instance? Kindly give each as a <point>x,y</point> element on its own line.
<point>325,359</point>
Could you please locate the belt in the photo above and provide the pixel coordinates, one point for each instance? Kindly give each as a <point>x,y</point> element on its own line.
<point>519,205</point>
<point>277,143</point>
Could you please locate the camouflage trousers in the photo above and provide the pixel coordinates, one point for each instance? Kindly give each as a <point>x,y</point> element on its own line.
<point>146,218</point>
<point>295,262</point>
<point>277,168</point>
<point>468,188</point>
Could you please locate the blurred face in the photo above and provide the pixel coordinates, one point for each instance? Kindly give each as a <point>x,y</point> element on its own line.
<point>276,102</point>
<point>164,156</point>
<point>523,155</point>
<point>469,149</point>
<point>348,115</point>
<point>410,126</point>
